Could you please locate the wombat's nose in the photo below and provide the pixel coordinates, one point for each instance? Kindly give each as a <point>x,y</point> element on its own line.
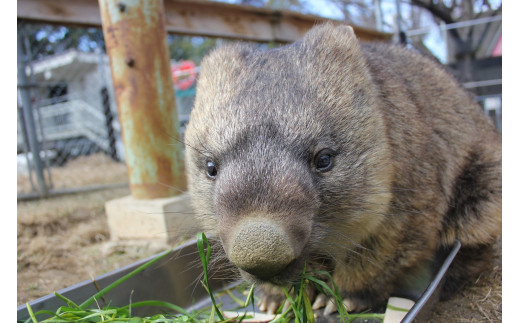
<point>260,247</point>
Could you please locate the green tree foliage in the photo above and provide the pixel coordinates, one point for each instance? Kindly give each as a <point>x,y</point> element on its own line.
<point>189,47</point>
<point>46,40</point>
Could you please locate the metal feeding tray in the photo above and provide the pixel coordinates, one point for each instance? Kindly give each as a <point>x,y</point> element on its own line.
<point>176,279</point>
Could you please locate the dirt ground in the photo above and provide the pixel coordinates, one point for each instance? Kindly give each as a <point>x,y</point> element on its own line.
<point>96,169</point>
<point>64,240</point>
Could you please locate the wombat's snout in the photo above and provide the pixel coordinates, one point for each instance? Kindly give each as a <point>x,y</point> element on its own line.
<point>260,247</point>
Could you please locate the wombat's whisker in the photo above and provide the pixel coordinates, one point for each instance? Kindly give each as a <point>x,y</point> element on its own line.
<point>170,186</point>
<point>173,212</point>
<point>186,144</point>
<point>346,243</point>
<point>201,144</point>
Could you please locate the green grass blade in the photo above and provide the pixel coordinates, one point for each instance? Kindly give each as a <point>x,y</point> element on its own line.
<point>57,320</point>
<point>309,313</point>
<point>204,257</point>
<point>31,314</point>
<point>235,299</point>
<point>159,304</point>
<point>322,284</point>
<point>333,292</point>
<point>299,300</point>
<point>297,314</point>
<point>69,302</point>
<point>211,318</point>
<point>40,312</point>
<point>336,295</point>
<point>98,313</point>
<point>250,297</point>
<point>105,290</point>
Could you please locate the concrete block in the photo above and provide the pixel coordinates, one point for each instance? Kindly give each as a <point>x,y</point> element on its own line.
<point>165,219</point>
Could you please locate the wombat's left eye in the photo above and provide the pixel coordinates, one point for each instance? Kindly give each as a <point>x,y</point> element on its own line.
<point>323,160</point>
<point>211,169</point>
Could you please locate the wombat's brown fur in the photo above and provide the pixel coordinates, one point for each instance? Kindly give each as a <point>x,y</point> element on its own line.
<point>361,159</point>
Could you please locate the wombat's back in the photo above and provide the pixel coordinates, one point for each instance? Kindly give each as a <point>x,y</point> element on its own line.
<point>447,157</point>
<point>444,147</point>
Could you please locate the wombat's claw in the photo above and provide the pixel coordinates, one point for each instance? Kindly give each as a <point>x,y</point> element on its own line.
<point>329,309</point>
<point>350,305</point>
<point>286,306</point>
<point>319,302</point>
<point>268,304</point>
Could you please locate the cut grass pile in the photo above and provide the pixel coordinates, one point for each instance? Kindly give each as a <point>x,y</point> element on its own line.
<point>299,311</point>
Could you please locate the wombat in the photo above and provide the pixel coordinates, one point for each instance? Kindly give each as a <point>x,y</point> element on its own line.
<point>360,159</point>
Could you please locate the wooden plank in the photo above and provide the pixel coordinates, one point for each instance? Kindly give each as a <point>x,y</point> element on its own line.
<point>195,17</point>
<point>75,12</point>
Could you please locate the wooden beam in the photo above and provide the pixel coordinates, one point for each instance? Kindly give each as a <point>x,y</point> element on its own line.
<point>194,17</point>
<point>74,12</point>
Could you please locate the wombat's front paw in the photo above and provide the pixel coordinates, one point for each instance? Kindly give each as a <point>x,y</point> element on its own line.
<point>351,305</point>
<point>271,298</point>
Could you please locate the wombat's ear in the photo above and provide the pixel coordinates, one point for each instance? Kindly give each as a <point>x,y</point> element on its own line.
<point>334,55</point>
<point>332,49</point>
<point>331,41</point>
<point>221,68</point>
<point>227,58</point>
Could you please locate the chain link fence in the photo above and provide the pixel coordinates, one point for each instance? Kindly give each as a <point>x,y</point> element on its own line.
<point>67,112</point>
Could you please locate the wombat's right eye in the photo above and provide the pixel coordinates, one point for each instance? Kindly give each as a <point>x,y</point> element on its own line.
<point>211,169</point>
<point>323,161</point>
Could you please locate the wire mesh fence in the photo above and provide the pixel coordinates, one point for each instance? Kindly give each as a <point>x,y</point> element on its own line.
<point>67,111</point>
<point>69,96</point>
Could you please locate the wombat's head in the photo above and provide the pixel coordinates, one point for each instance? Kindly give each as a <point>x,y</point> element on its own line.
<point>286,152</point>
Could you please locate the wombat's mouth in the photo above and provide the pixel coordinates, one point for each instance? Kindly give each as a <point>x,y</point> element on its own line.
<point>286,276</point>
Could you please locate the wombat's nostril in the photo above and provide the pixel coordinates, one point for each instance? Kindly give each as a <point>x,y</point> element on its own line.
<point>261,248</point>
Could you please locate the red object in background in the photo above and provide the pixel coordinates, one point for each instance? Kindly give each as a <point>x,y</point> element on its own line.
<point>184,75</point>
<point>497,50</point>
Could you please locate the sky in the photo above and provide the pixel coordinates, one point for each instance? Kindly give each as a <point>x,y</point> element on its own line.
<point>433,39</point>
<point>324,8</point>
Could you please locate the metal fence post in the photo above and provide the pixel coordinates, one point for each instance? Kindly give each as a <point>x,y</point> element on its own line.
<point>29,124</point>
<point>135,38</point>
<point>105,101</point>
<point>105,104</point>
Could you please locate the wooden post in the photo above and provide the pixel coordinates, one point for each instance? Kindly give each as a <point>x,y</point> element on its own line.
<point>135,37</point>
